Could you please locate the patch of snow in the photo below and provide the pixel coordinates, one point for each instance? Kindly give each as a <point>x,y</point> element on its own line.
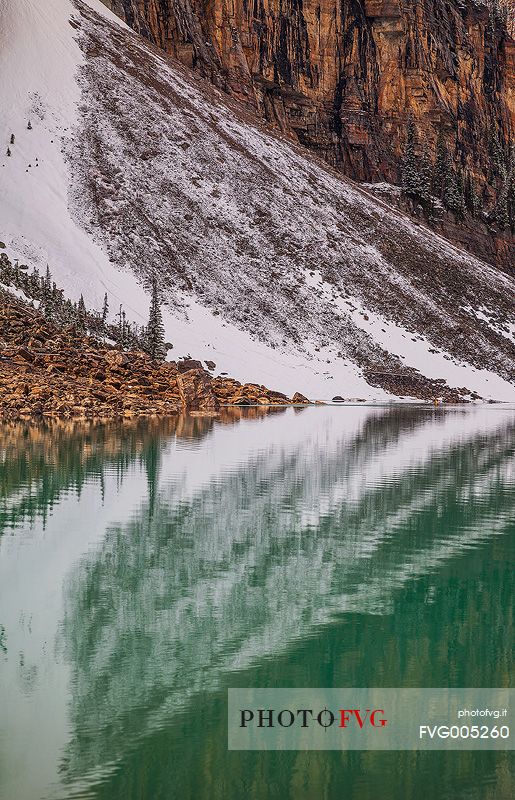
<point>20,295</point>
<point>415,349</point>
<point>206,336</point>
<point>383,187</point>
<point>490,316</point>
<point>39,58</point>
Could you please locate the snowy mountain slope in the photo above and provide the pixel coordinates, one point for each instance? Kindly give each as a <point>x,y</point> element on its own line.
<point>272,266</point>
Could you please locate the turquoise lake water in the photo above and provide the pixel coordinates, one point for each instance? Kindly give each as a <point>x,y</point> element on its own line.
<point>146,568</point>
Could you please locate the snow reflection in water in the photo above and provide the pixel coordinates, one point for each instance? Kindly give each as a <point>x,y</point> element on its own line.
<point>223,545</point>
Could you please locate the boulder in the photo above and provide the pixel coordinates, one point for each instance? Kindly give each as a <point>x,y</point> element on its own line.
<point>299,398</point>
<point>116,358</point>
<point>196,391</point>
<point>187,364</point>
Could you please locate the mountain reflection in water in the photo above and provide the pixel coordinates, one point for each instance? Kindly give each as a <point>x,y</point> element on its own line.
<point>242,540</point>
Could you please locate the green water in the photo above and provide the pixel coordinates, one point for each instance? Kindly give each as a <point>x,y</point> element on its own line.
<point>145,569</point>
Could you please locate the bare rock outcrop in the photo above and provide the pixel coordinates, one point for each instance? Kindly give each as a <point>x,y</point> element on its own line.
<point>52,371</point>
<point>196,391</point>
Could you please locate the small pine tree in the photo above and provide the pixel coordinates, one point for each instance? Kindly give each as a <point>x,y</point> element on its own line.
<point>69,312</point>
<point>29,125</point>
<point>497,156</point>
<point>155,333</point>
<point>35,282</point>
<point>8,152</point>
<point>460,189</point>
<point>58,300</point>
<point>105,310</point>
<point>120,328</point>
<point>410,175</point>
<point>12,138</point>
<point>46,292</point>
<point>81,314</point>
<point>501,212</point>
<point>49,306</point>
<point>453,196</point>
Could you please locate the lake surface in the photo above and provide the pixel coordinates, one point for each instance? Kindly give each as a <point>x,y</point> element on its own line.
<point>146,568</point>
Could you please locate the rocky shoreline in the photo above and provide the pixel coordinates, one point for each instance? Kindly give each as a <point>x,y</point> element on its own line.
<point>54,371</point>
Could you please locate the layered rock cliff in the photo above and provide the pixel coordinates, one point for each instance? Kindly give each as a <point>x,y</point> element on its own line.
<point>344,75</point>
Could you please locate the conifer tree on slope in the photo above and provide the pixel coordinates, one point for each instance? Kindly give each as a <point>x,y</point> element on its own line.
<point>497,157</point>
<point>155,333</point>
<point>105,309</point>
<point>410,174</point>
<point>46,293</point>
<point>453,194</point>
<point>81,315</point>
<point>416,171</point>
<point>120,332</point>
<point>424,183</point>
<point>501,211</point>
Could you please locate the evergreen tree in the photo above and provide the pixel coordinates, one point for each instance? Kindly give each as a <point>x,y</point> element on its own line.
<point>12,138</point>
<point>501,212</point>
<point>8,152</point>
<point>49,308</point>
<point>29,125</point>
<point>59,302</point>
<point>46,292</point>
<point>410,175</point>
<point>69,312</point>
<point>424,183</point>
<point>453,195</point>
<point>416,171</point>
<point>119,338</point>
<point>460,189</point>
<point>81,314</point>
<point>105,309</point>
<point>35,282</point>
<point>155,333</point>
<point>497,157</point>
<point>47,281</point>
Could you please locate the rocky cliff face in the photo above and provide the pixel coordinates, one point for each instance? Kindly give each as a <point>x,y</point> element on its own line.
<point>343,75</point>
